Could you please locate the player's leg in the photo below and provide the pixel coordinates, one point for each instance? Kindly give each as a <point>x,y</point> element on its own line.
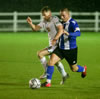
<point>41,54</point>
<point>79,68</point>
<point>61,69</point>
<point>50,69</point>
<point>56,56</point>
<point>72,60</point>
<point>59,66</point>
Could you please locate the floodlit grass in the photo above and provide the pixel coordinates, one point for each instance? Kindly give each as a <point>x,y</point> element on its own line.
<point>19,63</point>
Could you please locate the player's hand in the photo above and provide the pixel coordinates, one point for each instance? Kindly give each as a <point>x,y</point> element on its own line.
<point>66,32</point>
<point>54,42</point>
<point>29,20</point>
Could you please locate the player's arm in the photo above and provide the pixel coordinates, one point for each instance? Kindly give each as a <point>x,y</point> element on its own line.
<point>59,33</point>
<point>33,26</point>
<point>75,28</point>
<point>64,31</point>
<point>75,33</point>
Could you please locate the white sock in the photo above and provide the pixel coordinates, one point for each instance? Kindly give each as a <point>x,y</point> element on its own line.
<point>84,70</point>
<point>44,63</point>
<point>48,81</point>
<point>61,69</point>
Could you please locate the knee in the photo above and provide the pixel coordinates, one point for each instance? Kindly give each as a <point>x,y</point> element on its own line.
<point>51,63</point>
<point>74,68</point>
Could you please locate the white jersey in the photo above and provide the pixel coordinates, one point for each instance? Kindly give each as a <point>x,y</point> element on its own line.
<point>50,27</point>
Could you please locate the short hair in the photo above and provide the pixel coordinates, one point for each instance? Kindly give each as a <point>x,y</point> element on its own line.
<point>65,9</point>
<point>45,9</point>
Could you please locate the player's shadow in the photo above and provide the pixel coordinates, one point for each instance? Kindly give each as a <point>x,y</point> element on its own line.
<point>16,86</point>
<point>13,84</point>
<point>18,61</point>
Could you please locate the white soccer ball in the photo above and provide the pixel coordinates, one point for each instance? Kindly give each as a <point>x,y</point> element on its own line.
<point>34,83</point>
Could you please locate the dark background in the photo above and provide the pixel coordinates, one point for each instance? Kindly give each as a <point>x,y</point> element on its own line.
<point>55,5</point>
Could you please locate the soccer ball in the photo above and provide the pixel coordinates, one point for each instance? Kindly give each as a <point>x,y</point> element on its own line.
<point>34,83</point>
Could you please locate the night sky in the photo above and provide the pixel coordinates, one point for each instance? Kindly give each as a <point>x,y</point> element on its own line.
<point>55,5</point>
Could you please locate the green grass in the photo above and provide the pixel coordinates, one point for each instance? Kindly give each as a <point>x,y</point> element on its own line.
<point>19,63</point>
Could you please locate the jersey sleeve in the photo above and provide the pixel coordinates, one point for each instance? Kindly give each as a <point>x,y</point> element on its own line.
<point>56,21</point>
<point>41,24</point>
<point>75,28</point>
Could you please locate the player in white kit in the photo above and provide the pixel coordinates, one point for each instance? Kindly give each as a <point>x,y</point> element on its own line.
<point>52,25</point>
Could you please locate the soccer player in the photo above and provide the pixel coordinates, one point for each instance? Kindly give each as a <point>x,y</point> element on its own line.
<point>67,47</point>
<point>52,25</point>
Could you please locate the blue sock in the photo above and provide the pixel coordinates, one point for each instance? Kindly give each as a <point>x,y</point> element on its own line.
<point>80,68</point>
<point>50,70</point>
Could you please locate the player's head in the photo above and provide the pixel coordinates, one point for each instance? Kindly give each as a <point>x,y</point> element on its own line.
<point>64,13</point>
<point>46,13</point>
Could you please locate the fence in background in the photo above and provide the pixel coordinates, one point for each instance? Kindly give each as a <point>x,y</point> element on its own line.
<point>16,21</point>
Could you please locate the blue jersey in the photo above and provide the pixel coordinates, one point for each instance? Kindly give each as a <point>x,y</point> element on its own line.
<point>69,42</point>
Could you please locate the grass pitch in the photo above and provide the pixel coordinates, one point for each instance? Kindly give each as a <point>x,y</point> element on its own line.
<point>19,63</point>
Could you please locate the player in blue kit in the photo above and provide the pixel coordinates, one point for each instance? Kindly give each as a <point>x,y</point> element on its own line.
<point>67,47</point>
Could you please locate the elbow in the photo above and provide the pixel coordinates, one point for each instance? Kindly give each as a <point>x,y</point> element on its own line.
<point>34,30</point>
<point>79,33</point>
